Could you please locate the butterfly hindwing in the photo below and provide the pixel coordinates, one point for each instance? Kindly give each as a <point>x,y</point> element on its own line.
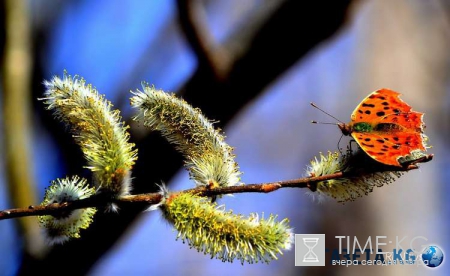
<point>389,148</point>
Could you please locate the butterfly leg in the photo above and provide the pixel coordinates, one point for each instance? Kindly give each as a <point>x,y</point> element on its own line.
<point>338,147</point>
<point>350,145</point>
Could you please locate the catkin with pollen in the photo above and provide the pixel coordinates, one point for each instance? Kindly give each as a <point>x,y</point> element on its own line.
<point>209,159</point>
<point>64,226</point>
<point>97,128</point>
<point>223,235</point>
<point>359,178</point>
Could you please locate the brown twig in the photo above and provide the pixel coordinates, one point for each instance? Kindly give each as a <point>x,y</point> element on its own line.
<point>102,200</point>
<point>154,198</point>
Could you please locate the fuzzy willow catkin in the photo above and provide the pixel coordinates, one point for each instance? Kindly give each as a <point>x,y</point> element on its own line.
<point>223,235</point>
<point>61,228</point>
<point>209,159</point>
<point>97,128</point>
<point>361,175</point>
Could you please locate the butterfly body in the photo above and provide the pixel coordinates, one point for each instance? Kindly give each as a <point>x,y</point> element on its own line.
<point>387,129</point>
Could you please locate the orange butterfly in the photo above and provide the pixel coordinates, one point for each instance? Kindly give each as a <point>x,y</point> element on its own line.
<point>387,129</point>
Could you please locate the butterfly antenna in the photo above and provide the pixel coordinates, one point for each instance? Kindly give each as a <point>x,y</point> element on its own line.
<point>323,123</point>
<point>315,106</point>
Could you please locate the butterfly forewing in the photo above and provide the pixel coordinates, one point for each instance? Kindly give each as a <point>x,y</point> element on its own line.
<point>379,104</point>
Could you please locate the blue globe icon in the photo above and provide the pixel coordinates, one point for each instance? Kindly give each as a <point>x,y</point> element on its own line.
<point>432,256</point>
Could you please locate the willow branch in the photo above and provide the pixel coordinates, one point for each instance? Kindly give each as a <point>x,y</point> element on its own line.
<point>102,200</point>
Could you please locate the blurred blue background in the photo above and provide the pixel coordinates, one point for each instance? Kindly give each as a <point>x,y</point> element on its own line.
<point>255,68</point>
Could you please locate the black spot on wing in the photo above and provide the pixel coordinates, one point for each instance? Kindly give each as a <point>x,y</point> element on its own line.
<point>368,105</point>
<point>367,145</point>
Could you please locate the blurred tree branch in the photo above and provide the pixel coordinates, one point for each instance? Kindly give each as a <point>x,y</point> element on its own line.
<point>220,58</point>
<point>17,114</point>
<point>193,22</point>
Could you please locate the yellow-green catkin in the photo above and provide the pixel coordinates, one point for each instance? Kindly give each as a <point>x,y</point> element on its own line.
<point>223,235</point>
<point>61,228</point>
<point>97,128</point>
<point>209,159</point>
<point>359,178</point>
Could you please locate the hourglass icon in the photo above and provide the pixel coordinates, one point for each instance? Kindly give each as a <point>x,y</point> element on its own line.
<point>310,257</point>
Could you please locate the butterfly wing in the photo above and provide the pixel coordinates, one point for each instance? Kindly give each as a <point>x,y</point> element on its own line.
<point>379,105</point>
<point>392,148</point>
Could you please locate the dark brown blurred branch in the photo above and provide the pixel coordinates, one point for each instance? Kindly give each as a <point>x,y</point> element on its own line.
<point>193,22</point>
<point>220,58</point>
